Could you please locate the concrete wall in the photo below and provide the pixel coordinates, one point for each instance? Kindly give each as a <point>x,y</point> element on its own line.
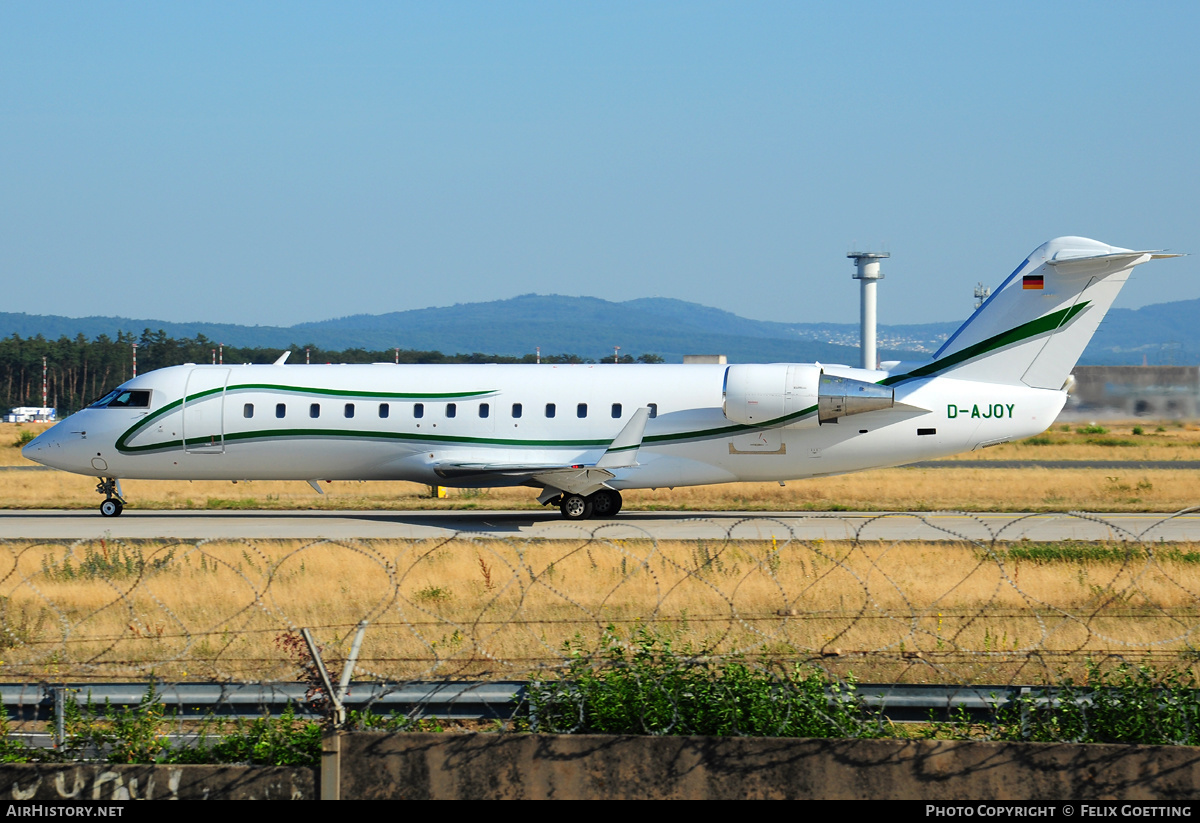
<point>527,766</point>
<point>520,766</point>
<point>103,781</point>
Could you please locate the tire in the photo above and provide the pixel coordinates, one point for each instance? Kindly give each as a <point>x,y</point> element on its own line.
<point>605,503</point>
<point>111,508</point>
<point>576,507</point>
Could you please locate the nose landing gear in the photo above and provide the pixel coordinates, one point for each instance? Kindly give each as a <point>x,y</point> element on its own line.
<point>113,503</point>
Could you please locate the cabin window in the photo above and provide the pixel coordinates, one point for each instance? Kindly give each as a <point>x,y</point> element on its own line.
<point>516,410</point>
<point>384,411</point>
<point>349,410</point>
<point>581,410</point>
<point>280,409</point>
<point>248,410</point>
<point>616,411</point>
<point>653,409</point>
<point>451,409</point>
<point>549,409</point>
<point>484,409</point>
<point>418,409</point>
<point>314,410</point>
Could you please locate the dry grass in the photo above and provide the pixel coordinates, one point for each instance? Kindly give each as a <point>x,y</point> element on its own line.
<point>885,611</point>
<point>880,490</point>
<point>1073,441</point>
<point>970,489</point>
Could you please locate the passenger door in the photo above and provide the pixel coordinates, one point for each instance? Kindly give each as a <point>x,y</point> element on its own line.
<point>204,411</point>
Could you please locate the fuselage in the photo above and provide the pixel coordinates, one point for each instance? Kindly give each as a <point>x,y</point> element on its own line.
<point>405,422</point>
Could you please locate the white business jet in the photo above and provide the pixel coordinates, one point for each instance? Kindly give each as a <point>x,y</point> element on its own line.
<point>582,433</point>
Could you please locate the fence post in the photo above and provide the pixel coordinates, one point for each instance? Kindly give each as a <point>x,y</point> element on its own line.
<point>60,715</point>
<point>348,668</point>
<point>331,765</point>
<point>339,711</point>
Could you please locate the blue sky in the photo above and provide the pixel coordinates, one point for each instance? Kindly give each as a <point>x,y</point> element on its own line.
<point>273,163</point>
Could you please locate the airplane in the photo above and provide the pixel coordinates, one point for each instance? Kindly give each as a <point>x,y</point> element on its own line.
<point>582,434</point>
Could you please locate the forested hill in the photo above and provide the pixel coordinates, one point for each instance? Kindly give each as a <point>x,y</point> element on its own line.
<point>585,326</point>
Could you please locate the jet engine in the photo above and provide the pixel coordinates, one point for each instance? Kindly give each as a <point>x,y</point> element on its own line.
<point>781,394</point>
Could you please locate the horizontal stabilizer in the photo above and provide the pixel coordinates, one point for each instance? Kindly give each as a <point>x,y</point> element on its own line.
<point>1068,256</point>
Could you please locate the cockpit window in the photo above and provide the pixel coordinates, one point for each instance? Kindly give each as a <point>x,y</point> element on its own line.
<point>124,399</point>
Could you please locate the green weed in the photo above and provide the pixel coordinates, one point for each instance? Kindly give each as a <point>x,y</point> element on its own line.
<point>645,686</point>
<point>433,594</point>
<point>107,563</point>
<point>1125,705</point>
<point>228,503</point>
<point>1086,552</point>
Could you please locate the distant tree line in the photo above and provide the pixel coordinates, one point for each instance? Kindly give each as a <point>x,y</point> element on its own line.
<point>79,370</point>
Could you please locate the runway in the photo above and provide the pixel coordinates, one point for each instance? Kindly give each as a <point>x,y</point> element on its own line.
<point>350,525</point>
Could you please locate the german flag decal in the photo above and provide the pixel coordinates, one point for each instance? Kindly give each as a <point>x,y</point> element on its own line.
<point>1032,281</point>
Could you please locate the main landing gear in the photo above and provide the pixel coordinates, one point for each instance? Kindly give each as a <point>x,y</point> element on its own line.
<point>603,503</point>
<point>113,505</point>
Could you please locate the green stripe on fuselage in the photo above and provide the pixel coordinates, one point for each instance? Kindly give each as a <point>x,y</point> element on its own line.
<point>675,437</point>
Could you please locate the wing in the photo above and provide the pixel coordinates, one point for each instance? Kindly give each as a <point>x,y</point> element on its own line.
<point>577,478</point>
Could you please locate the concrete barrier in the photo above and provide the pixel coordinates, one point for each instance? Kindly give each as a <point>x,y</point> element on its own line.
<point>105,781</point>
<point>528,766</point>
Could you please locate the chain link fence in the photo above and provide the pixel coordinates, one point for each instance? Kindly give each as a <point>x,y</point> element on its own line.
<point>953,612</point>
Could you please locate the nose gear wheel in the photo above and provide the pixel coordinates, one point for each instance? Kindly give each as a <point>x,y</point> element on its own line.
<point>113,505</point>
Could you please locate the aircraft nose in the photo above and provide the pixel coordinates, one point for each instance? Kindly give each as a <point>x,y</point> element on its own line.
<point>35,447</point>
<point>47,449</point>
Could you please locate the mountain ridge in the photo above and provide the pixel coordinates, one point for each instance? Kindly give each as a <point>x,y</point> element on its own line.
<point>592,326</point>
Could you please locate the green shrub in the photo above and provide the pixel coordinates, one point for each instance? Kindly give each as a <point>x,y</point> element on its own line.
<point>1125,705</point>
<point>282,741</point>
<point>645,686</point>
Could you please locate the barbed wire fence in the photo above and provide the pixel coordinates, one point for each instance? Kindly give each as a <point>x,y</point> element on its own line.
<point>468,612</point>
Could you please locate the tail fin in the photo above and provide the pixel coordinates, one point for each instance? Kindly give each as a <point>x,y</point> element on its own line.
<point>1035,326</point>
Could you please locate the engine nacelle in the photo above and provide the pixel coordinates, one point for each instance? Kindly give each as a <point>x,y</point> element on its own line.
<point>770,394</point>
<point>778,394</point>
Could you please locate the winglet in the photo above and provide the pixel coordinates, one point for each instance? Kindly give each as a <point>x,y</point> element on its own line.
<point>622,452</point>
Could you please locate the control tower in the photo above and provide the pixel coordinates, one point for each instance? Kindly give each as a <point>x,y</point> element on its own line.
<point>868,272</point>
